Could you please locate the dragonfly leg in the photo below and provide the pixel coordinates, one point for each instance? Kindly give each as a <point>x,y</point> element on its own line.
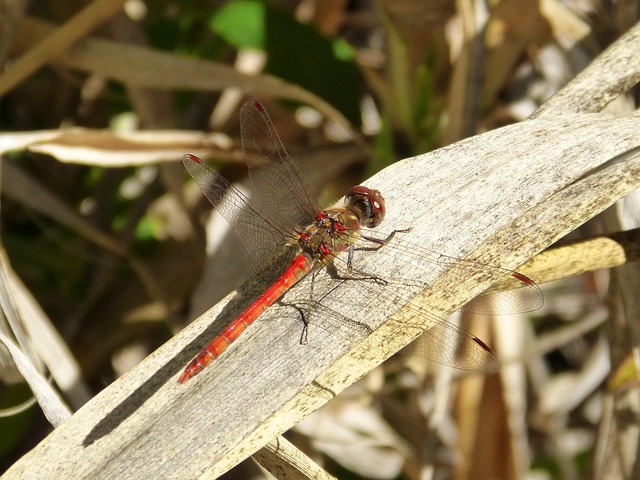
<point>310,313</point>
<point>380,242</point>
<point>361,327</point>
<point>356,274</point>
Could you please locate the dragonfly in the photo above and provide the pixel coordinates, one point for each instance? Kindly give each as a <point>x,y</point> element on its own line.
<point>286,222</point>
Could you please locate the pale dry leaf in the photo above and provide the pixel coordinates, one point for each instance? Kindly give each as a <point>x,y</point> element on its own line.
<point>565,391</point>
<point>48,344</point>
<point>357,437</point>
<point>50,402</point>
<point>111,149</point>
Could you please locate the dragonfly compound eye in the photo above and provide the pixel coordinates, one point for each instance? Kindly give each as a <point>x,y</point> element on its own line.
<point>368,203</point>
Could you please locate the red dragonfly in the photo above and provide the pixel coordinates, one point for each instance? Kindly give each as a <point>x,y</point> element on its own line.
<point>286,221</point>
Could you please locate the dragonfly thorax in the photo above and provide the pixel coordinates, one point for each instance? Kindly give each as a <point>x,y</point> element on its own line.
<point>331,232</point>
<point>335,229</point>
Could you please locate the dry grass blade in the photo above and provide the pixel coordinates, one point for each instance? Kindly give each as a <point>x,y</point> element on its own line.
<point>573,258</point>
<point>43,337</point>
<point>21,187</point>
<point>611,74</point>
<point>92,16</point>
<point>512,200</point>
<point>283,460</point>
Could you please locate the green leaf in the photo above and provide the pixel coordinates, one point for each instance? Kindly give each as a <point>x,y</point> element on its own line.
<point>241,23</point>
<point>296,52</point>
<point>300,54</point>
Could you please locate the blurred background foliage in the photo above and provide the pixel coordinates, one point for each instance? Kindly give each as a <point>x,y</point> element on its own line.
<point>102,226</point>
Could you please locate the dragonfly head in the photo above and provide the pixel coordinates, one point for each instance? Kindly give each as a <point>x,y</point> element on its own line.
<point>367,204</point>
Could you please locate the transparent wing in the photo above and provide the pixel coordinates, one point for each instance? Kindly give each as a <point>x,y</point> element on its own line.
<point>279,184</point>
<point>420,265</point>
<point>385,282</point>
<point>369,304</point>
<point>264,237</point>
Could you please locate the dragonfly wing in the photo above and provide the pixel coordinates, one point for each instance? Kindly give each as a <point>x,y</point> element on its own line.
<point>369,303</point>
<point>449,345</point>
<point>425,265</point>
<point>264,237</point>
<point>278,182</point>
